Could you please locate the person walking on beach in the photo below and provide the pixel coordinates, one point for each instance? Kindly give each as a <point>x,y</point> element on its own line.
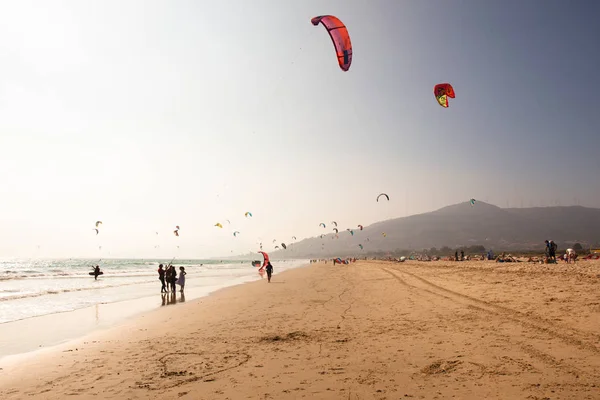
<point>181,280</point>
<point>161,278</point>
<point>269,270</point>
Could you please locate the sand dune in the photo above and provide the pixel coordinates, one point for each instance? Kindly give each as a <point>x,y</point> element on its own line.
<point>370,330</point>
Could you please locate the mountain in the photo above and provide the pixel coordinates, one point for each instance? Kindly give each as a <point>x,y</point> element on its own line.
<point>460,225</point>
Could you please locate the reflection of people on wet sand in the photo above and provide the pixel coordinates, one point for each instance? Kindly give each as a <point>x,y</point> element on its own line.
<point>269,270</point>
<point>168,299</point>
<point>171,299</point>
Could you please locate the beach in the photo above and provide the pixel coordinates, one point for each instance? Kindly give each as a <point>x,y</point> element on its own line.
<point>367,330</point>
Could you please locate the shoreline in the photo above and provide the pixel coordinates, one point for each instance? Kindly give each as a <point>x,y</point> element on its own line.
<point>29,289</point>
<point>71,325</point>
<point>369,330</point>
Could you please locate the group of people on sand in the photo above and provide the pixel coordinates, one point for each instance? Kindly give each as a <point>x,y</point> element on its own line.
<point>550,256</point>
<point>462,255</point>
<point>551,248</point>
<point>168,278</point>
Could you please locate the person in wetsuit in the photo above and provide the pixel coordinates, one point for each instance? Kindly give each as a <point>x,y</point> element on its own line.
<point>269,270</point>
<point>96,272</point>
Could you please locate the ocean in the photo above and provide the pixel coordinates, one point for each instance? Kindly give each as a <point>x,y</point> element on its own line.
<point>31,288</point>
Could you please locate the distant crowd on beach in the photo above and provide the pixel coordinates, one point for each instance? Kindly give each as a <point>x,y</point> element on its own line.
<point>549,257</point>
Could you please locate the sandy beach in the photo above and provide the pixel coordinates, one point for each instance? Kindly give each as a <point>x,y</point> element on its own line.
<point>368,330</point>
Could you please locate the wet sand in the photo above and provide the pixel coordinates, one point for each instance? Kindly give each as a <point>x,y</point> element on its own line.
<point>369,330</point>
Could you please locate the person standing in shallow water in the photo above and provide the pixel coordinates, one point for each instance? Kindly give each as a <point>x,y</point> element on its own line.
<point>173,278</point>
<point>269,270</point>
<point>96,272</point>
<point>181,280</point>
<point>161,278</point>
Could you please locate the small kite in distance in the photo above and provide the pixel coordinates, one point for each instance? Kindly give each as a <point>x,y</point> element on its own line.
<point>442,91</point>
<point>383,194</point>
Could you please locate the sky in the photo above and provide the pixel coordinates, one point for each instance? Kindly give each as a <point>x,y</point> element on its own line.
<point>151,114</point>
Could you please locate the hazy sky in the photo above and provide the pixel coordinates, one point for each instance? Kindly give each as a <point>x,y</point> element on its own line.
<point>151,114</point>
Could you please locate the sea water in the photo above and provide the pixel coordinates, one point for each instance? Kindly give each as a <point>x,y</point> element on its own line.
<point>31,288</point>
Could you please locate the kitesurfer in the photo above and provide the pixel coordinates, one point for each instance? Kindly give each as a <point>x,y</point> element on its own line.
<point>96,272</point>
